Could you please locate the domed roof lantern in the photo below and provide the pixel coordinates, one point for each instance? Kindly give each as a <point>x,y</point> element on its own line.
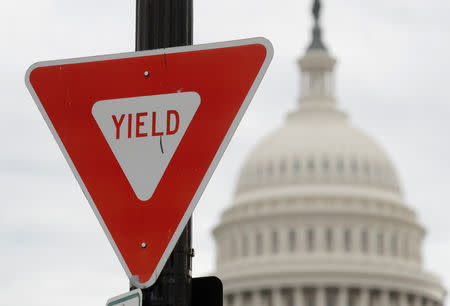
<point>317,89</point>
<point>317,32</point>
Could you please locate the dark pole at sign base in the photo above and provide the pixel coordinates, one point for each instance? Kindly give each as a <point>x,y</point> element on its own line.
<point>163,24</point>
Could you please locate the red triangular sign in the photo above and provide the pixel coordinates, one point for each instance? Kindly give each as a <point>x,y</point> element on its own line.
<point>143,133</point>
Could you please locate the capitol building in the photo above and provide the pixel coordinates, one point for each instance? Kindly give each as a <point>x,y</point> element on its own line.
<point>318,216</point>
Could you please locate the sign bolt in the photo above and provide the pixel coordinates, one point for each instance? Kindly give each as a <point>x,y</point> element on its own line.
<point>146,74</point>
<point>143,245</point>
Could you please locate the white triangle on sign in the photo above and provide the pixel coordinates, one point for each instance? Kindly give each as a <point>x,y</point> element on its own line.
<point>144,133</point>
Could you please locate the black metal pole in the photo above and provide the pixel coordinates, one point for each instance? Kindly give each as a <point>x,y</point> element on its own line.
<point>163,24</point>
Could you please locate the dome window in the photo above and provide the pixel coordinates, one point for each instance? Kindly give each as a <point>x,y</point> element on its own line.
<point>380,243</point>
<point>326,165</point>
<point>377,170</point>
<point>259,244</point>
<point>366,168</point>
<point>340,166</point>
<point>305,83</point>
<point>311,165</point>
<point>270,169</point>
<point>292,240</point>
<point>297,166</point>
<point>310,240</point>
<point>282,167</point>
<point>385,171</point>
<point>329,239</point>
<point>245,246</point>
<point>259,171</point>
<point>233,249</point>
<point>394,245</point>
<point>347,240</point>
<point>405,247</point>
<point>275,242</point>
<point>354,166</point>
<point>364,241</point>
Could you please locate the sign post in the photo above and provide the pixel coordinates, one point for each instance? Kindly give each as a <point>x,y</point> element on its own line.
<point>163,24</point>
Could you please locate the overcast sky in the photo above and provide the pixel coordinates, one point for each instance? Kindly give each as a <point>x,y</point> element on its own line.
<point>393,79</point>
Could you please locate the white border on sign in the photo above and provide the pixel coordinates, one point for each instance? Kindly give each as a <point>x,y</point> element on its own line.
<point>250,41</point>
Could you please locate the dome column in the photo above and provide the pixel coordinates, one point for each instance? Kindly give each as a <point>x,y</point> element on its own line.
<point>342,297</point>
<point>417,300</point>
<point>320,296</point>
<point>266,242</point>
<point>384,298</point>
<point>300,239</point>
<point>299,299</point>
<point>283,237</point>
<point>229,249</point>
<point>276,297</point>
<point>257,298</point>
<point>320,238</point>
<point>238,245</point>
<point>339,239</point>
<point>356,243</point>
<point>364,297</point>
<point>386,241</point>
<point>403,299</point>
<point>373,245</point>
<point>252,243</point>
<point>237,299</point>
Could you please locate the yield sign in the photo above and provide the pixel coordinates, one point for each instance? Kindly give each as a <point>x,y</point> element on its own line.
<point>143,133</point>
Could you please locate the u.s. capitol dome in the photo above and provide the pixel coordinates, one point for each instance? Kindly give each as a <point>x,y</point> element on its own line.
<point>318,217</point>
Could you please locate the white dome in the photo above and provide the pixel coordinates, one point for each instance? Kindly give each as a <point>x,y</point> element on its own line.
<point>318,146</point>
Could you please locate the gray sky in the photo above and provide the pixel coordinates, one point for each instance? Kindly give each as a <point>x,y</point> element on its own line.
<point>392,76</point>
